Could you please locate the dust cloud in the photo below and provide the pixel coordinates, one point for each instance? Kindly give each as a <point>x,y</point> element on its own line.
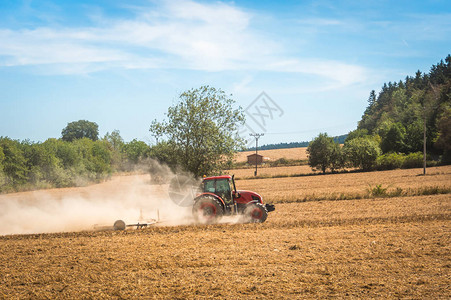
<point>132,198</point>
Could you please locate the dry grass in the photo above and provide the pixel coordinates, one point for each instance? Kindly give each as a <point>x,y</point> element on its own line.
<point>369,248</point>
<point>274,154</point>
<point>327,186</point>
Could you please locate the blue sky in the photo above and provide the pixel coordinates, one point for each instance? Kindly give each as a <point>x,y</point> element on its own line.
<point>121,64</point>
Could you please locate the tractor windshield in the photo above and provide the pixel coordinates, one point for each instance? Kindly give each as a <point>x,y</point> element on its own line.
<point>209,186</point>
<point>221,187</point>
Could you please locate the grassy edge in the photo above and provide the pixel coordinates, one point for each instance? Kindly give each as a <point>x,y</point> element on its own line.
<point>371,193</point>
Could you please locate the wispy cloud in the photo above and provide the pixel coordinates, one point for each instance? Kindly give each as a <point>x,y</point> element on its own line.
<point>174,34</point>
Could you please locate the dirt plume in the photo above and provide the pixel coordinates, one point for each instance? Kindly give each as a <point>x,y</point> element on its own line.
<point>126,197</point>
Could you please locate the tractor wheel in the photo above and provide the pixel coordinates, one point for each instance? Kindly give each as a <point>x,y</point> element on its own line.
<point>119,225</point>
<point>207,210</point>
<point>255,213</point>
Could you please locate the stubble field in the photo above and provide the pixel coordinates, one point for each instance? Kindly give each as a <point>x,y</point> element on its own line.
<point>271,171</point>
<point>274,154</point>
<point>394,247</point>
<point>347,185</point>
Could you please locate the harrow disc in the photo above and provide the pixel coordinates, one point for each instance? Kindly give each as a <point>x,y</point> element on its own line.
<point>182,190</point>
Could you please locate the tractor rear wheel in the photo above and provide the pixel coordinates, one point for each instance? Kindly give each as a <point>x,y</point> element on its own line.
<point>207,210</point>
<point>255,213</point>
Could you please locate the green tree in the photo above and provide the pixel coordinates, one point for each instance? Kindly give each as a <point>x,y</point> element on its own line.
<point>362,152</point>
<point>202,130</point>
<point>116,143</point>
<point>357,133</point>
<point>444,136</point>
<point>136,150</point>
<point>80,129</point>
<point>393,140</point>
<point>2,158</point>
<point>323,153</point>
<point>337,158</point>
<point>94,159</point>
<point>42,163</point>
<point>14,164</point>
<point>115,139</point>
<point>413,138</point>
<point>162,152</point>
<point>101,159</point>
<point>65,151</point>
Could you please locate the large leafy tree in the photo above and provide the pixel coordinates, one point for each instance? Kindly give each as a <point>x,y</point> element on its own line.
<point>136,150</point>
<point>115,139</point>
<point>414,137</point>
<point>362,152</point>
<point>116,144</point>
<point>80,129</point>
<point>393,140</point>
<point>324,153</point>
<point>201,132</point>
<point>41,162</point>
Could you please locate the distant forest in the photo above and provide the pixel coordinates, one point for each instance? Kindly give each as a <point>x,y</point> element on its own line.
<point>402,111</point>
<point>338,139</point>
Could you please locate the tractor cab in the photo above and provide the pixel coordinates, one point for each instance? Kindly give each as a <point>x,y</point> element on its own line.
<point>222,186</point>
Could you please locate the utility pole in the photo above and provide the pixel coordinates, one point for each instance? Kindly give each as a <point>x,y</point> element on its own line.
<point>256,136</point>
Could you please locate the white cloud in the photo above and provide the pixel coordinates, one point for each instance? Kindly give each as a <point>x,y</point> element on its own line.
<point>176,34</point>
<point>339,73</point>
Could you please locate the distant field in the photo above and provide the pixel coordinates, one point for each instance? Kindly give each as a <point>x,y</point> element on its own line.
<point>290,170</point>
<point>289,153</point>
<point>369,248</point>
<point>291,188</point>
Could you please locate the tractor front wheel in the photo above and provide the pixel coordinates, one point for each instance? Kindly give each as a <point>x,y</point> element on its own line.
<point>255,213</point>
<point>207,210</point>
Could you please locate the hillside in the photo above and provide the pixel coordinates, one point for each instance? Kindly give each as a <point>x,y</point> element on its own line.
<point>398,113</point>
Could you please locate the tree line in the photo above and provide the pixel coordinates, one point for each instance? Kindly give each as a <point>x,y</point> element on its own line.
<point>392,129</point>
<point>77,158</point>
<point>357,152</point>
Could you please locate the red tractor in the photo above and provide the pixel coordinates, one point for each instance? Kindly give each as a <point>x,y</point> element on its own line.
<point>219,197</point>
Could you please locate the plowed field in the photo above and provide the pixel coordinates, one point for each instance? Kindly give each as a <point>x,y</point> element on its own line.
<point>396,247</point>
